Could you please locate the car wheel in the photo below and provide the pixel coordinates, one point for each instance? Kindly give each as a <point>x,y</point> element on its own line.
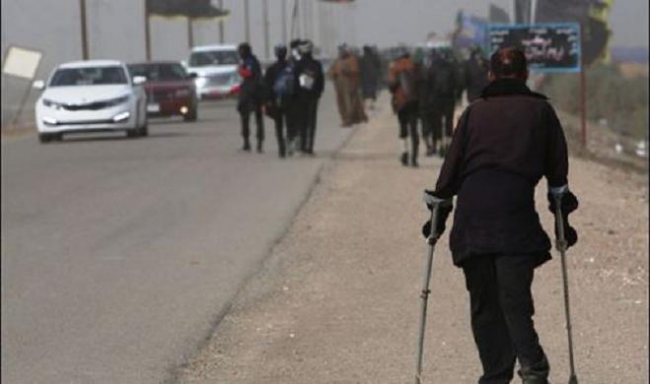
<point>192,115</point>
<point>44,138</point>
<point>144,130</point>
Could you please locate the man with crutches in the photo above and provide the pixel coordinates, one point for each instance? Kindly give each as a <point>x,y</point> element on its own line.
<point>505,142</point>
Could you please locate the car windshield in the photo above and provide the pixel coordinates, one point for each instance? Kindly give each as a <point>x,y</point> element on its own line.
<point>159,72</point>
<point>201,59</point>
<point>88,76</point>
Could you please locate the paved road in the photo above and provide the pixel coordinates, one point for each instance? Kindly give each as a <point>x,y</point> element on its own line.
<point>119,256</point>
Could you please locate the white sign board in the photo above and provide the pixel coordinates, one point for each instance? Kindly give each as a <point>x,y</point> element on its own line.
<point>21,62</point>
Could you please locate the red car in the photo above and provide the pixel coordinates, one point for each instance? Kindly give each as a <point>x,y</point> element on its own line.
<point>170,89</point>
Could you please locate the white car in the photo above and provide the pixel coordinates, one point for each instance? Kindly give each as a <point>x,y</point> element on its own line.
<point>91,96</point>
<point>215,67</point>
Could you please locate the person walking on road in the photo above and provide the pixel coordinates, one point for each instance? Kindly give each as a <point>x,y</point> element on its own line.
<point>251,95</point>
<point>505,142</point>
<point>476,74</point>
<point>279,84</point>
<point>403,86</point>
<point>443,93</point>
<point>370,69</point>
<point>345,75</point>
<point>311,84</point>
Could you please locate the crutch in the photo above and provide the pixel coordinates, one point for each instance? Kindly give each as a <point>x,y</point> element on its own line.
<point>431,243</point>
<point>561,246</point>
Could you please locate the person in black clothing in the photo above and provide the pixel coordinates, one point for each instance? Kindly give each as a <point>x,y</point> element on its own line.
<point>251,95</point>
<point>370,71</point>
<point>311,84</point>
<point>505,142</point>
<point>293,104</point>
<point>476,75</point>
<point>443,94</point>
<point>278,81</point>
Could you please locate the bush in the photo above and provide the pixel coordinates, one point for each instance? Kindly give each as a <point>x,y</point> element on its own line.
<point>622,101</point>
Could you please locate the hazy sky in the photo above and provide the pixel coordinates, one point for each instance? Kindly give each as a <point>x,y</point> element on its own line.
<point>389,22</point>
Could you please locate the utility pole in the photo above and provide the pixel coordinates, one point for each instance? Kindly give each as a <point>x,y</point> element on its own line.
<point>267,42</point>
<point>84,30</point>
<point>147,33</point>
<point>221,32</point>
<point>247,26</point>
<point>190,32</point>
<point>284,22</point>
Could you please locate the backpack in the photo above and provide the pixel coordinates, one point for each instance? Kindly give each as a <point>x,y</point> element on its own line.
<point>284,83</point>
<point>407,84</point>
<point>444,79</point>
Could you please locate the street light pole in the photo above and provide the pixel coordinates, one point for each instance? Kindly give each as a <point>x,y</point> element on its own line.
<point>84,30</point>
<point>221,32</point>
<point>267,42</point>
<point>190,32</point>
<point>247,26</point>
<point>284,22</point>
<point>147,33</point>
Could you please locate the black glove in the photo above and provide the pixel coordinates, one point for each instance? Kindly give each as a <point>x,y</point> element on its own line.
<point>443,213</point>
<point>568,204</point>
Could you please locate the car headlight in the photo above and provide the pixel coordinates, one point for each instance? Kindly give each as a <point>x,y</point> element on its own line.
<point>200,82</point>
<point>51,104</point>
<point>118,100</point>
<point>182,92</point>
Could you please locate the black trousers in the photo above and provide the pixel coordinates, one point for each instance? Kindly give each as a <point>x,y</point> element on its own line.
<point>408,127</point>
<point>309,116</point>
<point>443,109</point>
<point>279,118</point>
<point>245,114</point>
<point>502,317</point>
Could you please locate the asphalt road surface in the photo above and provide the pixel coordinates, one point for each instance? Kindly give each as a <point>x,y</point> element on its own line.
<point>119,256</point>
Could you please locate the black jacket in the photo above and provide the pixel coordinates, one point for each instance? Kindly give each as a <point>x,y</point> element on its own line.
<point>312,68</point>
<point>251,92</point>
<point>505,142</point>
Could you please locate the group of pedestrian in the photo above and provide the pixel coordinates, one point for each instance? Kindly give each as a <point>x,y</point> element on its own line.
<point>426,87</point>
<point>288,93</point>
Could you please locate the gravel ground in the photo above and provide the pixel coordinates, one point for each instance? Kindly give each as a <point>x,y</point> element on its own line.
<point>337,301</point>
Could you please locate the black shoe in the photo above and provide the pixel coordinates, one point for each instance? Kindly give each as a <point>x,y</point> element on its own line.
<point>259,147</point>
<point>405,159</point>
<point>246,147</point>
<point>414,163</point>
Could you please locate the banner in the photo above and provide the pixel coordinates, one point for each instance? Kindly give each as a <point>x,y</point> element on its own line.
<point>498,15</point>
<point>471,31</point>
<point>590,14</point>
<point>552,47</point>
<point>195,9</point>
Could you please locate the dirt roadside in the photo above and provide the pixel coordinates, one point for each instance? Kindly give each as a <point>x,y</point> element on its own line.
<point>338,299</point>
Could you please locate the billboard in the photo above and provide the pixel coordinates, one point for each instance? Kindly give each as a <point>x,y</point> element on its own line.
<point>550,47</point>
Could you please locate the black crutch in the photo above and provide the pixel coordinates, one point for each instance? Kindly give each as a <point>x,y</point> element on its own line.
<point>431,243</point>
<point>561,246</point>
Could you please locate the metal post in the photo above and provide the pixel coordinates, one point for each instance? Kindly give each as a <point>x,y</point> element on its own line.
<point>284,22</point>
<point>513,11</point>
<point>583,94</point>
<point>84,30</point>
<point>533,11</point>
<point>247,26</point>
<point>190,32</point>
<point>221,32</point>
<point>267,41</point>
<point>147,32</point>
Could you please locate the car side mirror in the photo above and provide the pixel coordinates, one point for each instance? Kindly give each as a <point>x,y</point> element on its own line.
<point>39,84</point>
<point>139,80</point>
<point>192,75</point>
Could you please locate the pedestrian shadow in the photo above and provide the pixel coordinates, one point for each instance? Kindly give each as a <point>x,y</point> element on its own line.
<point>160,135</point>
<point>366,156</point>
